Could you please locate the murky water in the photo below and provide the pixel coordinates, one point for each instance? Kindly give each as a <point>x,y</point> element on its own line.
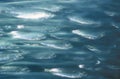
<point>59,39</point>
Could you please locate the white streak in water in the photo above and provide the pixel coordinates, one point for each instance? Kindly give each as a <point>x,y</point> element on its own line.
<point>87,34</point>
<point>52,8</point>
<point>81,66</point>
<point>35,15</point>
<point>67,1</point>
<point>109,13</point>
<point>93,49</point>
<point>27,36</point>
<point>20,26</point>
<point>63,73</point>
<point>81,20</point>
<point>98,62</point>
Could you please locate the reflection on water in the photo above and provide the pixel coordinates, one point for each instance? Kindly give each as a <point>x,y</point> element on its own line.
<point>60,39</point>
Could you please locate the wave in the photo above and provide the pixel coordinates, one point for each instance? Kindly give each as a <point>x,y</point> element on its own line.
<point>27,36</point>
<point>62,73</point>
<point>67,1</point>
<point>59,39</point>
<point>93,49</point>
<point>81,20</point>
<point>12,55</point>
<point>14,69</point>
<point>56,44</point>
<point>51,8</point>
<point>34,15</point>
<point>88,35</point>
<point>43,55</point>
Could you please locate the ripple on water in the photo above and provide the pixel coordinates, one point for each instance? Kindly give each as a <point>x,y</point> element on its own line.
<point>43,55</point>
<point>67,1</point>
<point>65,73</point>
<point>59,39</point>
<point>11,55</point>
<point>88,35</point>
<point>52,8</point>
<point>12,69</point>
<point>6,45</point>
<point>93,49</point>
<point>64,36</point>
<point>116,25</point>
<point>81,20</point>
<point>27,36</point>
<point>57,44</point>
<point>110,13</point>
<point>46,29</point>
<point>35,15</point>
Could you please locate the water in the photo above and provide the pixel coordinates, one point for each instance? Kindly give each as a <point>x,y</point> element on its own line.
<point>59,39</point>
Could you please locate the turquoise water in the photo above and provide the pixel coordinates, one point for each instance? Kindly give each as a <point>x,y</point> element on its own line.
<point>59,39</point>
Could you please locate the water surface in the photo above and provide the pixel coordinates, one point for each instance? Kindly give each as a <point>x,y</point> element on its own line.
<point>59,39</point>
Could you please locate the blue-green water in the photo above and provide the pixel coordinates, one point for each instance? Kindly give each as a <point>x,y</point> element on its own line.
<point>59,39</point>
